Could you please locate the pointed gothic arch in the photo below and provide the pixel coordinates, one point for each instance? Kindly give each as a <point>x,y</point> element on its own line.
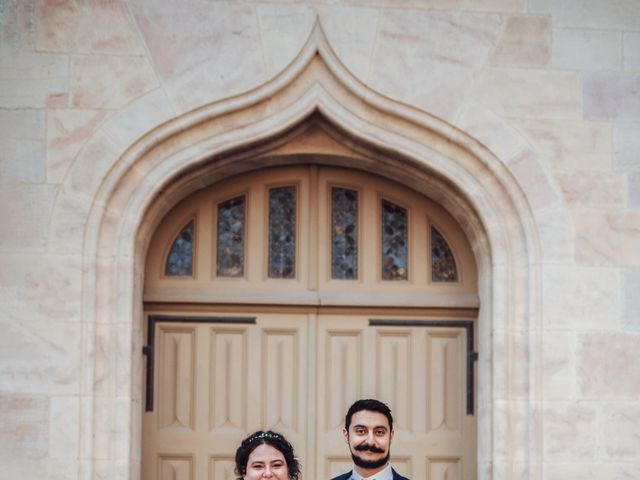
<point>372,132</point>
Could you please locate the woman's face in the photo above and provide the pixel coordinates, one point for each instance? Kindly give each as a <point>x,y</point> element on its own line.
<point>266,462</point>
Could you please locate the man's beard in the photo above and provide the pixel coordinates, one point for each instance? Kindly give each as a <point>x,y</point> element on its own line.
<point>369,464</point>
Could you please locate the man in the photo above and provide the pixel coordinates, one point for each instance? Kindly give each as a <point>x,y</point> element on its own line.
<point>368,431</point>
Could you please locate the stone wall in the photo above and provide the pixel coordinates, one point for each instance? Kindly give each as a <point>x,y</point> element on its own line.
<point>551,87</point>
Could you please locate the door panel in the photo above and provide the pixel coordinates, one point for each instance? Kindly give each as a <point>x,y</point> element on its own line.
<point>419,372</point>
<point>214,384</point>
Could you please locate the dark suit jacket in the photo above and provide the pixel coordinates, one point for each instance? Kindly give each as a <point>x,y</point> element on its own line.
<point>345,476</point>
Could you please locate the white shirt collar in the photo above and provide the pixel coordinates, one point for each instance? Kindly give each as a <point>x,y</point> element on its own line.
<point>385,474</point>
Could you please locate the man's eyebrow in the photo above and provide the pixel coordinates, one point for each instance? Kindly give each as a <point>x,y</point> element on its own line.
<point>359,425</point>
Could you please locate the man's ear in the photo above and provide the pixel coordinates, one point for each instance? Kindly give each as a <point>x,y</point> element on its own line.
<point>345,434</point>
<point>391,436</point>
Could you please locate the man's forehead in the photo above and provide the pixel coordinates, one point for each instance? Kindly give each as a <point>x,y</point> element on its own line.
<point>369,418</point>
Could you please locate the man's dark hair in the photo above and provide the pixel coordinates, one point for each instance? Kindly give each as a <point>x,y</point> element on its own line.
<point>372,405</point>
<point>273,439</point>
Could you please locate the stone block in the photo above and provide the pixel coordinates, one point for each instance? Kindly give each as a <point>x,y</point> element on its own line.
<point>581,298</point>
<point>633,194</point>
<point>17,28</point>
<point>556,234</point>
<point>586,50</point>
<point>64,427</point>
<point>47,287</point>
<point>67,132</point>
<point>69,26</point>
<point>511,422</point>
<point>38,357</point>
<point>41,468</point>
<point>497,134</point>
<point>609,15</point>
<point>619,432</point>
<point>607,237</point>
<point>202,53</point>
<point>27,79</point>
<point>569,432</point>
<point>631,299</point>
<point>626,144</point>
<point>569,145</point>
<point>598,189</point>
<point>538,187</point>
<point>139,117</point>
<point>591,471</point>
<point>26,211</point>
<point>558,367</point>
<point>21,146</point>
<point>429,59</point>
<point>608,365</point>
<point>23,427</point>
<point>22,124</point>
<point>94,161</point>
<point>123,346</point>
<point>58,100</point>
<point>466,5</point>
<point>21,161</point>
<point>540,6</point>
<point>283,31</point>
<point>68,222</point>
<point>525,42</point>
<point>610,96</point>
<point>122,426</point>
<point>105,359</point>
<point>631,52</point>
<point>109,81</point>
<point>352,35</point>
<point>527,93</point>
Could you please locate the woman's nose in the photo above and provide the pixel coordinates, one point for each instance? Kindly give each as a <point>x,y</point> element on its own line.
<point>267,472</point>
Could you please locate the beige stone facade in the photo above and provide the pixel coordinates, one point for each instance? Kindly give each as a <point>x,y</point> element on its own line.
<point>520,118</point>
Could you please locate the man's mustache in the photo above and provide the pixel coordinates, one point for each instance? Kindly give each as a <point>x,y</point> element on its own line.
<point>371,448</point>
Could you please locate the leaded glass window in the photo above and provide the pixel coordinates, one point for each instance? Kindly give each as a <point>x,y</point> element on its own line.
<point>180,259</point>
<point>344,233</point>
<point>394,242</point>
<point>443,265</point>
<point>282,232</point>
<point>231,237</point>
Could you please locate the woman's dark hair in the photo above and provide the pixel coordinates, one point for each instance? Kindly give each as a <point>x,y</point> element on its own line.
<point>273,439</point>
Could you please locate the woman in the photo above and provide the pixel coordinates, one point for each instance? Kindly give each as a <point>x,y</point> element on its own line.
<point>266,455</point>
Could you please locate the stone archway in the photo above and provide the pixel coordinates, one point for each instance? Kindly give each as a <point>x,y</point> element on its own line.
<point>397,141</point>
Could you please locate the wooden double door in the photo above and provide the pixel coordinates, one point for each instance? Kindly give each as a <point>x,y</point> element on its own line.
<point>216,377</point>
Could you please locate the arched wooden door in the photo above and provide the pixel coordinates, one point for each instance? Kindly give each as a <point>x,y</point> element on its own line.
<point>277,298</point>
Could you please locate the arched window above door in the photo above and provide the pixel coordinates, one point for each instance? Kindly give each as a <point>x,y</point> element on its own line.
<point>179,261</point>
<point>311,234</point>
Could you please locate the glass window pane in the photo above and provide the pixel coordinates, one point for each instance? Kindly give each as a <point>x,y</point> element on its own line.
<point>394,242</point>
<point>180,259</point>
<point>230,245</point>
<point>344,233</point>
<point>443,265</point>
<point>282,232</point>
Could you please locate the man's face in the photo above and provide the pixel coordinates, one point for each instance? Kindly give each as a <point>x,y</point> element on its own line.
<point>369,439</point>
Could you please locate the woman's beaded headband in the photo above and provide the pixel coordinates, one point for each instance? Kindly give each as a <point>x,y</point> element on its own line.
<point>259,435</point>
